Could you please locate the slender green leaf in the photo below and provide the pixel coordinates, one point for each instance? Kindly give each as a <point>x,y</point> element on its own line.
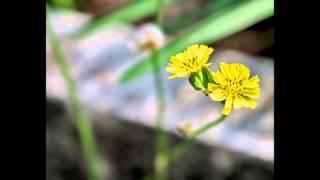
<point>72,4</point>
<point>83,124</point>
<point>195,14</point>
<point>217,26</point>
<point>129,13</point>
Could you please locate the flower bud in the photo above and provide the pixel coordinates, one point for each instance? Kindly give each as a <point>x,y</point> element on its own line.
<point>199,80</point>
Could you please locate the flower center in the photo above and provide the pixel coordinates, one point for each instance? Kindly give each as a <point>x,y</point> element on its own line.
<point>233,87</point>
<point>191,64</point>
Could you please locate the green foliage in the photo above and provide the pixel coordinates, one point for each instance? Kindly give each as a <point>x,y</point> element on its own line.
<point>196,14</point>
<point>71,4</point>
<point>130,13</point>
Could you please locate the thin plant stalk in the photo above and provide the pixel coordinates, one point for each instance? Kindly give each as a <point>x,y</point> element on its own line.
<point>162,157</point>
<point>82,122</point>
<point>181,148</point>
<point>159,13</point>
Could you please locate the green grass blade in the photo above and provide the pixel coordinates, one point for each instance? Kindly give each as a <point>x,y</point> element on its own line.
<point>196,14</point>
<point>130,13</point>
<point>217,26</point>
<point>83,124</point>
<point>71,4</point>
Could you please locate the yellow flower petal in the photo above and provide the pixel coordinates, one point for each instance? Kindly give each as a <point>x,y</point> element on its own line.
<point>170,69</point>
<point>253,82</point>
<point>253,93</point>
<point>205,53</point>
<point>244,71</point>
<point>247,102</point>
<point>172,77</point>
<point>237,102</point>
<point>212,87</point>
<point>217,95</point>
<point>227,106</point>
<point>224,68</point>
<point>219,78</point>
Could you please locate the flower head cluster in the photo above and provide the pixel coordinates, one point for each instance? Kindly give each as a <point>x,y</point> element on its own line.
<point>230,84</point>
<point>234,86</point>
<point>189,61</point>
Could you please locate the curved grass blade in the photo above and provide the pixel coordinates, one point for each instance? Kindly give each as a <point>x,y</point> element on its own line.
<point>196,14</point>
<point>130,13</point>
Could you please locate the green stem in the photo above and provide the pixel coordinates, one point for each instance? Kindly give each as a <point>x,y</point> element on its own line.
<point>187,143</point>
<point>162,157</point>
<point>161,138</point>
<point>82,122</point>
<point>159,88</point>
<point>159,13</point>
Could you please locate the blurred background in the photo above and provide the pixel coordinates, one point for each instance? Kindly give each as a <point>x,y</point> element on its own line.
<point>106,44</point>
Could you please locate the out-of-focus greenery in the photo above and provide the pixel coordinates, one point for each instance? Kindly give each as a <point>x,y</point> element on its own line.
<point>162,157</point>
<point>69,4</point>
<point>82,122</point>
<point>130,13</point>
<point>196,13</point>
<point>224,22</point>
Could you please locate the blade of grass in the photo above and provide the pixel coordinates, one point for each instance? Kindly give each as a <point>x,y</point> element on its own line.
<point>72,4</point>
<point>217,26</point>
<point>130,13</point>
<point>161,157</point>
<point>195,14</point>
<point>82,122</point>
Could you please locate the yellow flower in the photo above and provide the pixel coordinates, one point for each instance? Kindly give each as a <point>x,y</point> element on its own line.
<point>189,61</point>
<point>234,85</point>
